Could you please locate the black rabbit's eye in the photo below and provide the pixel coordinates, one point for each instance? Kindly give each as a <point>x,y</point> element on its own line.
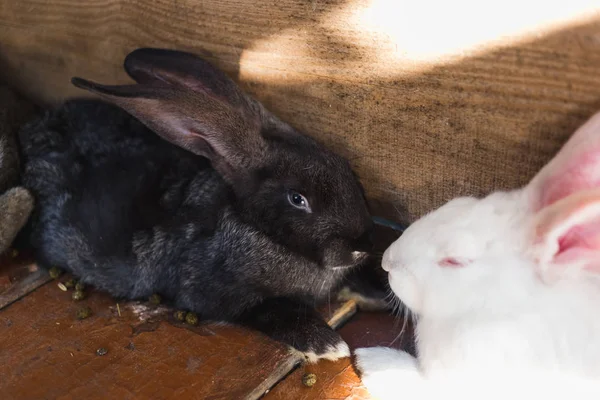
<point>299,201</point>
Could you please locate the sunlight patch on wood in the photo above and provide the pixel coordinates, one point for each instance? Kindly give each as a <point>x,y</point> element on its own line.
<point>402,38</point>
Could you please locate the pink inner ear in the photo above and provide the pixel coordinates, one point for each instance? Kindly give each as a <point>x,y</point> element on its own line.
<point>569,230</point>
<point>565,194</point>
<point>582,242</point>
<point>450,262</point>
<point>574,168</point>
<point>580,173</point>
<point>584,236</point>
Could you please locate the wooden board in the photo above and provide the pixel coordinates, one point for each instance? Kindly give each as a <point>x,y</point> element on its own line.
<point>33,334</point>
<point>419,130</point>
<point>19,275</point>
<point>46,352</point>
<point>340,380</point>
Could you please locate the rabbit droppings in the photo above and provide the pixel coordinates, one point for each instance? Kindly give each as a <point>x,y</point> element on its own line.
<point>505,290</point>
<point>228,212</point>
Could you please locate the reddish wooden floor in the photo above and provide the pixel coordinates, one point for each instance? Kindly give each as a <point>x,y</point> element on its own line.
<point>339,380</point>
<point>47,353</point>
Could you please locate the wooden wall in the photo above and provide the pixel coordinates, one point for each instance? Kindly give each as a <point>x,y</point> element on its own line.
<point>419,127</point>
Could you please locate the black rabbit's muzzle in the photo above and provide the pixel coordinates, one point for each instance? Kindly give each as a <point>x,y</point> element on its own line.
<point>340,254</point>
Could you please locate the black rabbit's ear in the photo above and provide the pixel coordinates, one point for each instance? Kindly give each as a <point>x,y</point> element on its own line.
<point>195,120</point>
<point>186,70</point>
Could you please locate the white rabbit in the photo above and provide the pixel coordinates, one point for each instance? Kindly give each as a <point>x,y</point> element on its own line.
<point>506,290</point>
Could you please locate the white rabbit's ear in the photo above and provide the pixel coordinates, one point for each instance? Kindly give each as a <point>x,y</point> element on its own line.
<point>565,199</point>
<point>576,167</point>
<point>567,234</point>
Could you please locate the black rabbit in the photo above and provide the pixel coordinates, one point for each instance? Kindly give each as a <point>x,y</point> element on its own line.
<point>236,215</point>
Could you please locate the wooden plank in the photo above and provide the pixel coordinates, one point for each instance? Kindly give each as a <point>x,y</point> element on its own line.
<point>340,315</point>
<point>23,287</point>
<point>418,130</point>
<point>339,380</point>
<point>335,380</point>
<point>46,352</point>
<point>19,275</point>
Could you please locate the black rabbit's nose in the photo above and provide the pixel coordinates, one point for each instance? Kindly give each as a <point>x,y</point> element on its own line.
<point>364,244</point>
<point>359,255</point>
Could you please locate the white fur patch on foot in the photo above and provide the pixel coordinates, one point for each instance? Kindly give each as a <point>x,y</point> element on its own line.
<point>333,353</point>
<point>374,359</point>
<point>388,373</point>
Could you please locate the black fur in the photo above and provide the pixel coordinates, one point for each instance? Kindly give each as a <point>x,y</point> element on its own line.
<point>214,231</point>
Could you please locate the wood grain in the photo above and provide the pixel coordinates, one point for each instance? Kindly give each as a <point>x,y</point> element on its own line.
<point>19,275</point>
<point>46,352</point>
<point>418,133</point>
<point>340,380</point>
<point>336,315</point>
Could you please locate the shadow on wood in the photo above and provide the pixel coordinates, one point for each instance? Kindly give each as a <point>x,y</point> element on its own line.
<point>417,137</point>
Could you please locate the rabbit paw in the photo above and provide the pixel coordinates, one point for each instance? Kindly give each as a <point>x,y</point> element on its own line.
<point>386,372</point>
<point>325,344</point>
<point>297,325</point>
<point>374,359</point>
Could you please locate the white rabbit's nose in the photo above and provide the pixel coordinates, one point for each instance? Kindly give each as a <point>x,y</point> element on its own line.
<point>386,266</point>
<point>386,261</point>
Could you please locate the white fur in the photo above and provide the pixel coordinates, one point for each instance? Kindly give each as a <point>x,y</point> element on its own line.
<point>491,321</point>
<point>389,373</point>
<point>492,328</point>
<point>333,353</point>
